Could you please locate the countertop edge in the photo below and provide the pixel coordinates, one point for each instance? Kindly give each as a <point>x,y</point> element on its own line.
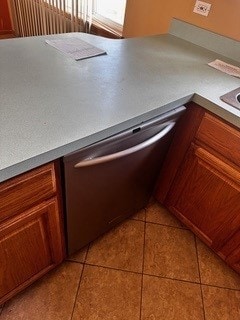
<point>51,155</point>
<point>57,153</point>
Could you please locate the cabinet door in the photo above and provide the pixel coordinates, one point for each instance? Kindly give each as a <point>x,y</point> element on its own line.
<point>30,245</point>
<point>206,196</point>
<point>5,21</point>
<point>234,259</point>
<point>231,251</point>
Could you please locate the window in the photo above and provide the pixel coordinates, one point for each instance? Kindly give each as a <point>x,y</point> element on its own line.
<point>112,10</point>
<point>37,17</point>
<point>109,14</point>
<point>103,14</point>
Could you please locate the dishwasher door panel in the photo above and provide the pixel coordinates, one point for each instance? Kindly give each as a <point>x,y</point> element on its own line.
<point>116,180</point>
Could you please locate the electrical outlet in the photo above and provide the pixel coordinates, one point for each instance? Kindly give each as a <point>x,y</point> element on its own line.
<point>202,8</point>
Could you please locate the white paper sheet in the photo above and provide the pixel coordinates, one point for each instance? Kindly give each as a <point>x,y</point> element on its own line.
<point>76,48</point>
<point>225,67</point>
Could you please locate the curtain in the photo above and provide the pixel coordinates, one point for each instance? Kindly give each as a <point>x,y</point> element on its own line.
<point>41,17</point>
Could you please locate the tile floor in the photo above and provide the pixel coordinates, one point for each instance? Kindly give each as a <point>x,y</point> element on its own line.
<point>150,268</point>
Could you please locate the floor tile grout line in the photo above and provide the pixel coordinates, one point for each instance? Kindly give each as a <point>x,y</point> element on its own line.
<point>219,287</point>
<point>166,225</point>
<point>79,283</point>
<point>112,268</point>
<point>157,223</point>
<point>144,238</point>
<point>168,278</point>
<point>151,275</point>
<point>135,272</point>
<point>131,271</point>
<point>199,273</point>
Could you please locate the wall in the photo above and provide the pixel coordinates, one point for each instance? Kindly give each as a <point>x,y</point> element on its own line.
<point>145,17</point>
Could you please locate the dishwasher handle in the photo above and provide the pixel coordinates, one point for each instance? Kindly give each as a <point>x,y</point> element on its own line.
<point>120,154</point>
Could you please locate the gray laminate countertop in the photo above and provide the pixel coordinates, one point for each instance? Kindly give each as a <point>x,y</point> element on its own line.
<point>52,105</point>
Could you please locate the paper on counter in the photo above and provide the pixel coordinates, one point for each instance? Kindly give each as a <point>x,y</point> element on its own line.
<point>76,48</point>
<point>225,67</point>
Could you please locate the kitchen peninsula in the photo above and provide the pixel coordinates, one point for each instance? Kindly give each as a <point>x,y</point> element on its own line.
<point>52,105</point>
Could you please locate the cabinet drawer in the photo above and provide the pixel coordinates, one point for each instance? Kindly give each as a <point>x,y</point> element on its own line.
<point>221,137</point>
<point>26,190</point>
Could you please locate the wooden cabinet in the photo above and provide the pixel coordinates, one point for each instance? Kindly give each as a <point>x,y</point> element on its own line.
<point>231,251</point>
<point>206,196</point>
<point>202,187</point>
<point>31,231</point>
<point>5,21</point>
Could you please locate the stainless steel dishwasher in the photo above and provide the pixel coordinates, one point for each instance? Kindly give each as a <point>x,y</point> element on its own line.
<point>110,180</point>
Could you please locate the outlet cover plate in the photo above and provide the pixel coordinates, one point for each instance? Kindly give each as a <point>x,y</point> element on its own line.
<point>202,8</point>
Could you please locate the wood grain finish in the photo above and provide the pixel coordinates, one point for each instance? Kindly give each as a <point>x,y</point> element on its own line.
<point>31,234</point>
<point>234,259</point>
<point>26,190</point>
<point>187,127</point>
<point>231,245</point>
<point>231,251</point>
<point>221,137</point>
<point>202,188</point>
<point>206,196</point>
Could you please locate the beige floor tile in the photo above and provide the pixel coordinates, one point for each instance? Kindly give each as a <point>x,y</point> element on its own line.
<point>140,215</point>
<point>214,271</point>
<point>50,298</point>
<point>79,256</point>
<point>165,299</point>
<point>106,294</point>
<point>121,248</point>
<point>170,252</point>
<point>156,213</point>
<point>221,304</point>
